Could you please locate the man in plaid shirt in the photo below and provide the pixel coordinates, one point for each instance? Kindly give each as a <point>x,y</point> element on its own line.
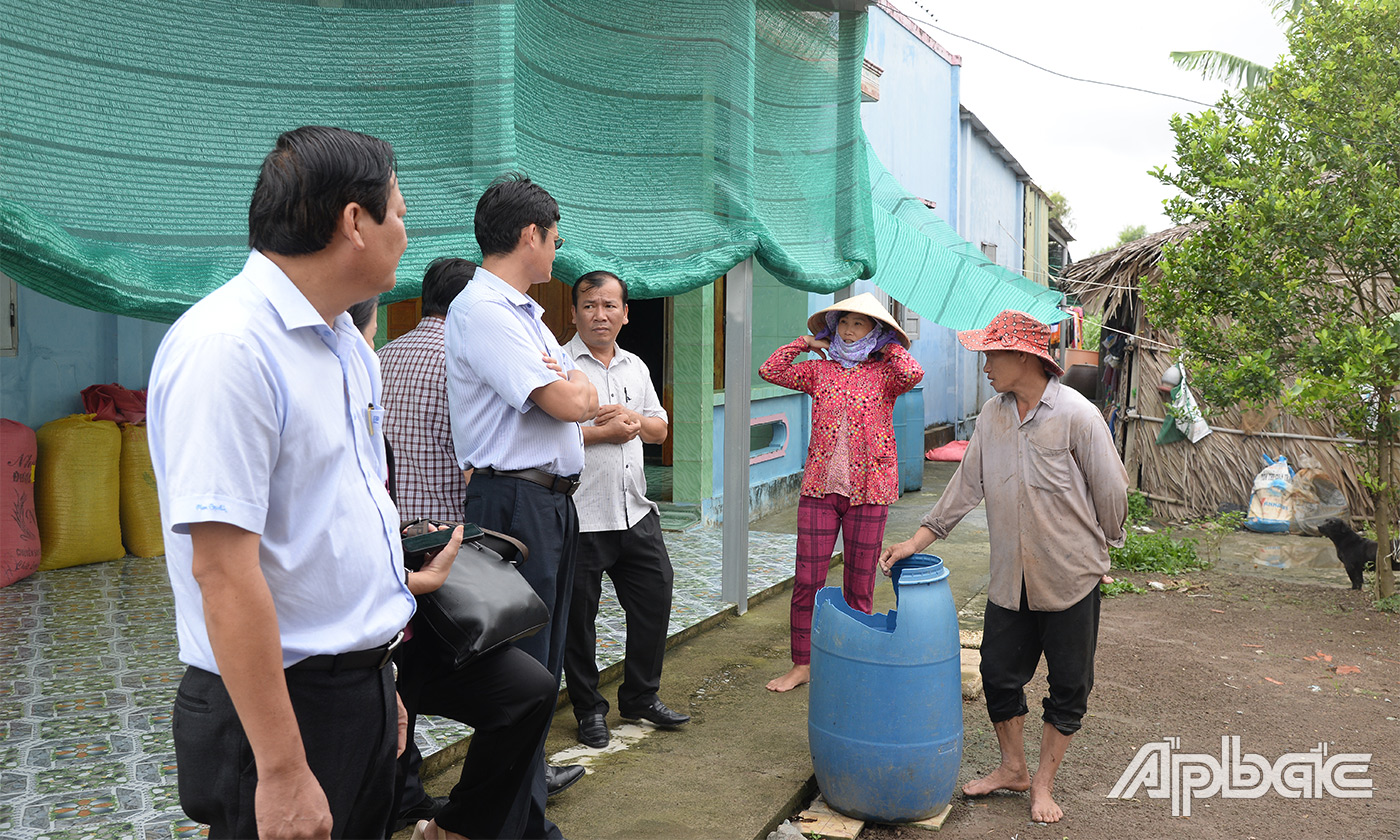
<point>414,369</point>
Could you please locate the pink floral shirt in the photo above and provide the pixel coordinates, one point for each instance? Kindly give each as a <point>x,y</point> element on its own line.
<point>850,406</point>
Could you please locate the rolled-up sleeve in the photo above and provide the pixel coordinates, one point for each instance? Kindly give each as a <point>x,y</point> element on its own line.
<point>780,370</point>
<point>902,370</point>
<point>962,494</point>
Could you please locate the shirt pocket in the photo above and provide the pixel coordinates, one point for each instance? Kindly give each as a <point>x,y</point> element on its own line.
<point>1049,468</point>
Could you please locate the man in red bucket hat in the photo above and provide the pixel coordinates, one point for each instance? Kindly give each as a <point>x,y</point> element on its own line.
<point>1057,497</point>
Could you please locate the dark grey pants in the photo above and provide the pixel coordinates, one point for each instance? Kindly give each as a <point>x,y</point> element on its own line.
<point>548,525</point>
<point>349,727</point>
<point>1012,644</point>
<point>508,699</point>
<point>640,569</point>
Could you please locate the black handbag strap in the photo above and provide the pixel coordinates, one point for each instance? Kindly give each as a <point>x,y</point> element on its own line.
<point>505,545</point>
<point>510,548</point>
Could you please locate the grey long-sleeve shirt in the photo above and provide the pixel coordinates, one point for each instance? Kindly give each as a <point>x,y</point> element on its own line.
<point>1057,497</point>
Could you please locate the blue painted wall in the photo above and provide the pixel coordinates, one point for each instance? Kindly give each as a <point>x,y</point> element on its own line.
<point>914,131</point>
<point>992,200</point>
<point>992,210</point>
<point>64,349</point>
<point>914,126</point>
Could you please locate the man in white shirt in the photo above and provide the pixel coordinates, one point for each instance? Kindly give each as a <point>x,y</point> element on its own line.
<point>516,401</point>
<point>620,528</point>
<point>282,544</point>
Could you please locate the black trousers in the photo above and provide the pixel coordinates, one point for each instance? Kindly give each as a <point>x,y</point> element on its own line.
<point>349,727</point>
<point>1012,644</point>
<point>640,569</point>
<point>508,698</point>
<point>548,525</point>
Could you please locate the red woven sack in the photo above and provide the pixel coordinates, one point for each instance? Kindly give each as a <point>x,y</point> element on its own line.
<point>19,527</point>
<point>115,403</point>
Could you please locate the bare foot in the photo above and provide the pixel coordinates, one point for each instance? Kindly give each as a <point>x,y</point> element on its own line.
<point>799,675</point>
<point>1002,778</point>
<point>429,830</point>
<point>1043,807</point>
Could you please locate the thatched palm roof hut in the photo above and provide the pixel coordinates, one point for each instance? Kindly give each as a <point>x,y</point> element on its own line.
<point>1185,480</point>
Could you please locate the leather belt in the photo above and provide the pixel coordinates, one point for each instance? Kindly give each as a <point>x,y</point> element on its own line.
<point>372,658</point>
<point>549,481</point>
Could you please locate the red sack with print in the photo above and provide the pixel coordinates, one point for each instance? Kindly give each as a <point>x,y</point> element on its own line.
<point>19,527</point>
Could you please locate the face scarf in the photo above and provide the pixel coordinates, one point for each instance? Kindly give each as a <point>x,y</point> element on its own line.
<point>848,354</point>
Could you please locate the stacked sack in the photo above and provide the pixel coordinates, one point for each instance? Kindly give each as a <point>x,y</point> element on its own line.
<point>78,491</point>
<point>95,489</point>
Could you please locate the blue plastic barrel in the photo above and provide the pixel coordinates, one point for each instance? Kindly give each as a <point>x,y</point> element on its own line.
<point>885,716</point>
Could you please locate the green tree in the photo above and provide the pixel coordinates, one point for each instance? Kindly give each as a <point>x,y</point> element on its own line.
<point>1288,293</point>
<point>1059,208</point>
<point>1129,233</point>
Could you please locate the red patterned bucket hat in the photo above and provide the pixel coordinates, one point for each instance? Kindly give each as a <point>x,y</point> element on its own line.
<point>1012,330</point>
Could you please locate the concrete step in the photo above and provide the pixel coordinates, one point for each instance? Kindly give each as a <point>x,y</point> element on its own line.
<point>737,770</point>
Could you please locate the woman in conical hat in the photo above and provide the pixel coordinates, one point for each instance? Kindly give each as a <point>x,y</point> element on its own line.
<point>852,473</point>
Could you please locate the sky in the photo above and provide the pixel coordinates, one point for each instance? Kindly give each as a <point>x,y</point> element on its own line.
<point>1094,144</point>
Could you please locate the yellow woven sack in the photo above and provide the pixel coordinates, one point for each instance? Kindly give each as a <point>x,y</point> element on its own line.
<point>140,507</point>
<point>77,491</point>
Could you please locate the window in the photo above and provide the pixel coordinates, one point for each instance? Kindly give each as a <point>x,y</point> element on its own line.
<point>9,317</point>
<point>907,319</point>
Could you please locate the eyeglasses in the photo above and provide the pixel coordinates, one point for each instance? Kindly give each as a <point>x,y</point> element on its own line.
<point>558,242</point>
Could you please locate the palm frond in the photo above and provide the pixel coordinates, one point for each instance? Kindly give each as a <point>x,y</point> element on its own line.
<point>1222,66</point>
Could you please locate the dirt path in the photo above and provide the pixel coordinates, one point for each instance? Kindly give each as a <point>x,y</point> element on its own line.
<point>1284,666</point>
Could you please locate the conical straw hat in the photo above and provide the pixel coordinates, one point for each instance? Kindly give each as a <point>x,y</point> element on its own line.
<point>864,304</point>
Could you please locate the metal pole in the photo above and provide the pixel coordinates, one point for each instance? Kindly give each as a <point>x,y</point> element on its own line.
<point>738,376</point>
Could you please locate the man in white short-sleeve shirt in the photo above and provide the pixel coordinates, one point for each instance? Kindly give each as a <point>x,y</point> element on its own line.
<point>516,401</point>
<point>282,544</point>
<point>619,527</point>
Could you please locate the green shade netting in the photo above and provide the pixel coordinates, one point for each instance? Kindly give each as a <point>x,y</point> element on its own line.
<point>926,266</point>
<point>678,138</point>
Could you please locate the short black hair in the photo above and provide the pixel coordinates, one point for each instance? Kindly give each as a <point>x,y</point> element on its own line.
<point>361,312</point>
<point>307,180</point>
<point>512,203</point>
<point>593,280</point>
<point>445,278</point>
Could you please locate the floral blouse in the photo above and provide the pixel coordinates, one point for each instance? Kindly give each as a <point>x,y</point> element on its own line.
<point>852,414</point>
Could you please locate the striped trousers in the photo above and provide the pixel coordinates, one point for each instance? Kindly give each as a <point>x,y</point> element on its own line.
<point>818,521</point>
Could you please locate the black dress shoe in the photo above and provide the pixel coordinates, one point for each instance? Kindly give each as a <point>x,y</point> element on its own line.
<point>559,778</point>
<point>657,713</point>
<point>593,731</point>
<point>427,809</point>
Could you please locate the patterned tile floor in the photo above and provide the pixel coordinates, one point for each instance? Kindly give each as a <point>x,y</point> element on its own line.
<point>88,671</point>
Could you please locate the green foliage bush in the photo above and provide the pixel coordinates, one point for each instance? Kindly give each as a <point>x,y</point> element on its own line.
<point>1139,509</point>
<point>1157,553</point>
<point>1119,587</point>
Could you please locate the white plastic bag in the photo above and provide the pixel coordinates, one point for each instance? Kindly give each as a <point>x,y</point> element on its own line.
<point>1271,503</point>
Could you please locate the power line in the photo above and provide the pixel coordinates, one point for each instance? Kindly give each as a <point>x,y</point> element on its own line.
<point>1218,107</point>
<point>1044,69</point>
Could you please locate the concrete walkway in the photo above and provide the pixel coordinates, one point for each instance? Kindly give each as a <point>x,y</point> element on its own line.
<point>742,764</point>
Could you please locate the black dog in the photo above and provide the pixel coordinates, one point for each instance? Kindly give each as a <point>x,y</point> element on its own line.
<point>1355,551</point>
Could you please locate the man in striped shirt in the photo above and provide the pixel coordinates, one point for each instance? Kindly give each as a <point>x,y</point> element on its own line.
<point>416,426</point>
